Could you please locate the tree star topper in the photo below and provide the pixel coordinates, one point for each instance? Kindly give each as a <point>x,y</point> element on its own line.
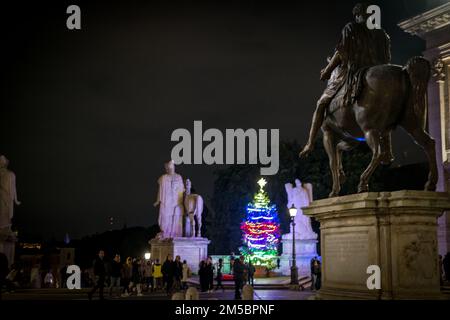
<point>262,182</point>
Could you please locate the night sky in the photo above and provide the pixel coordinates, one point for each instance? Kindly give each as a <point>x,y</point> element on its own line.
<point>86,116</point>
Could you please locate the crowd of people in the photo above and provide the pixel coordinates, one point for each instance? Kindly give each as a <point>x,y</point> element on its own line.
<point>137,275</point>
<point>243,273</point>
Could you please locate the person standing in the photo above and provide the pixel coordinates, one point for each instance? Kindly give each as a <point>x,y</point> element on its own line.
<point>313,274</point>
<point>232,258</point>
<point>317,275</point>
<point>441,271</point>
<point>238,273</point>
<point>49,280</point>
<point>178,272</point>
<point>157,275</point>
<point>210,274</point>
<point>446,266</point>
<point>147,273</point>
<point>219,275</point>
<point>126,276</point>
<point>116,272</point>
<point>63,276</point>
<point>251,273</point>
<point>186,274</point>
<point>168,271</point>
<point>3,271</point>
<point>202,276</point>
<point>99,274</point>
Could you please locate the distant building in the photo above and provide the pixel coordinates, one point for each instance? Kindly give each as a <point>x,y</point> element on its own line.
<point>433,26</point>
<point>37,255</point>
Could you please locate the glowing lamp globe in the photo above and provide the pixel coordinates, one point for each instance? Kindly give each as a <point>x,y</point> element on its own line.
<point>293,211</point>
<point>147,256</point>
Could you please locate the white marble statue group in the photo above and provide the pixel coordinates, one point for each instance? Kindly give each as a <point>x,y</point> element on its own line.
<point>301,196</point>
<point>180,211</point>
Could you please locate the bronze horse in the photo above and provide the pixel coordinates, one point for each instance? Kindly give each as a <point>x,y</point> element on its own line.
<point>390,96</point>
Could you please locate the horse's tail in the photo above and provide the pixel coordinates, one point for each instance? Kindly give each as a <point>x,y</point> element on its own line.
<point>418,69</point>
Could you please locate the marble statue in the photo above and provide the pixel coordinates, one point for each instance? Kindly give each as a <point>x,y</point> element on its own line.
<point>193,205</point>
<point>8,194</point>
<point>301,196</point>
<point>170,201</point>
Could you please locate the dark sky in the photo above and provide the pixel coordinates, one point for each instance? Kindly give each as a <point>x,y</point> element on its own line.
<point>86,116</point>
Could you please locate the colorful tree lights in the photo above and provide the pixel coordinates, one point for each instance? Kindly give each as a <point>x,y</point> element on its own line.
<point>261,230</point>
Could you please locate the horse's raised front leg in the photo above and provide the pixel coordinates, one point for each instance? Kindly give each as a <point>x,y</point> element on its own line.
<point>428,144</point>
<point>331,148</point>
<point>373,141</point>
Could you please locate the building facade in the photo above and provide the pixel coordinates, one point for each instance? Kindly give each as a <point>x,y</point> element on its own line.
<point>433,26</point>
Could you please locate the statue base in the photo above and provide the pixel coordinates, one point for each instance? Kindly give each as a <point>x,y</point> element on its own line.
<point>305,250</point>
<point>8,241</point>
<point>193,250</point>
<point>396,231</point>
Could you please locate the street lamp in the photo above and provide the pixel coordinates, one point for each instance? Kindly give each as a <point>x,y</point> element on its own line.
<point>294,269</point>
<point>147,256</point>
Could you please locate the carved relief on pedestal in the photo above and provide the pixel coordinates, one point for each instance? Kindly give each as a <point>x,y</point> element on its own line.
<point>419,256</point>
<point>438,70</point>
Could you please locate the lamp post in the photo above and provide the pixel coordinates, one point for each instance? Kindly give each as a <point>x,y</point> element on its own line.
<point>294,269</point>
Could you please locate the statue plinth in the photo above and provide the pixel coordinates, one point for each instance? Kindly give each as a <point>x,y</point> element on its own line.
<point>396,231</point>
<point>305,250</point>
<point>8,241</point>
<point>191,249</point>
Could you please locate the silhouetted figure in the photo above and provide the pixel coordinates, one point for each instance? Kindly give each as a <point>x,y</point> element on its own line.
<point>202,273</point>
<point>219,275</point>
<point>100,274</point>
<point>446,266</point>
<point>3,271</point>
<point>168,271</point>
<point>238,273</point>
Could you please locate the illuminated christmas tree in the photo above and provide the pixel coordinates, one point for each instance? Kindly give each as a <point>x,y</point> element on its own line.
<point>261,230</point>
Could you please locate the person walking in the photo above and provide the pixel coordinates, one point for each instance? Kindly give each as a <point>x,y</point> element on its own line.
<point>136,280</point>
<point>126,276</point>
<point>157,275</point>
<point>99,274</point>
<point>186,275</point>
<point>116,272</point>
<point>219,275</point>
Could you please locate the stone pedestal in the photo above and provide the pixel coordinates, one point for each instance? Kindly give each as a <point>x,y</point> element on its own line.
<point>193,250</point>
<point>396,231</point>
<point>305,250</point>
<point>8,241</point>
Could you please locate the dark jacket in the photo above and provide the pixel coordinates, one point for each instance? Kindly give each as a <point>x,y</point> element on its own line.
<point>116,269</point>
<point>238,270</point>
<point>99,267</point>
<point>3,266</point>
<point>178,269</point>
<point>168,268</point>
